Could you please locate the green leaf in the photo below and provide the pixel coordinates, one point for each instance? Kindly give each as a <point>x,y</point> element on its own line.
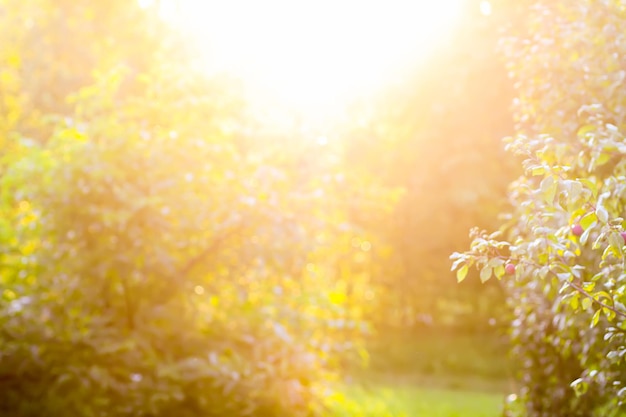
<point>574,189</point>
<point>596,318</point>
<point>616,242</point>
<point>586,303</point>
<point>499,271</point>
<point>485,274</point>
<point>603,215</point>
<point>597,276</point>
<point>610,314</point>
<point>493,262</point>
<point>548,189</point>
<point>462,273</point>
<point>456,263</point>
<point>597,244</point>
<point>580,386</point>
<point>585,236</point>
<point>564,276</point>
<point>602,294</point>
<point>588,220</point>
<point>590,184</point>
<point>537,171</point>
<point>586,129</point>
<point>602,159</point>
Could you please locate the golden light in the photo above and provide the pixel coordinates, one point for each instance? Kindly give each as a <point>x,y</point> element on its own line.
<point>485,8</point>
<point>314,56</point>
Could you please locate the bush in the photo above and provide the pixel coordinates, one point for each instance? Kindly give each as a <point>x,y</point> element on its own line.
<point>569,288</point>
<point>156,261</point>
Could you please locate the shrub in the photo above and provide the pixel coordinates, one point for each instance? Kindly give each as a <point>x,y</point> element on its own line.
<point>569,291</point>
<point>156,261</point>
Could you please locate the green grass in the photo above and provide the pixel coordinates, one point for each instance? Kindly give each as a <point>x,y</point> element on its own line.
<point>414,401</point>
<point>427,373</point>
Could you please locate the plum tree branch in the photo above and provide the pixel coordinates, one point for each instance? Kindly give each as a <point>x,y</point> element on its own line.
<point>600,303</point>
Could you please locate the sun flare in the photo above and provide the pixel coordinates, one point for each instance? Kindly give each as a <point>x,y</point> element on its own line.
<point>314,56</point>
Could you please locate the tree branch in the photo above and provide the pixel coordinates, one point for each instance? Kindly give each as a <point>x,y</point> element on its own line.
<point>600,303</point>
<point>212,248</point>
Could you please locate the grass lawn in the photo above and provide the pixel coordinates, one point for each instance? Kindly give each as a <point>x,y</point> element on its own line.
<point>427,373</point>
<point>415,401</point>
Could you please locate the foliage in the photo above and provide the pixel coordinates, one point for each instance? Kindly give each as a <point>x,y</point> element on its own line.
<point>52,48</point>
<point>564,232</point>
<point>436,134</point>
<point>156,260</point>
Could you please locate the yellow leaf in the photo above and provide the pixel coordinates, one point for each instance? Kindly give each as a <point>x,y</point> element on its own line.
<point>461,273</point>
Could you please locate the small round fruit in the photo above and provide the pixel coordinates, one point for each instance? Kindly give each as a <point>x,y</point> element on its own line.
<point>509,269</point>
<point>577,229</point>
<point>623,236</point>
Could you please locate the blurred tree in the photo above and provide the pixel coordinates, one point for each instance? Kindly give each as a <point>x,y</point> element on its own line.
<point>156,260</point>
<point>439,138</point>
<point>52,48</point>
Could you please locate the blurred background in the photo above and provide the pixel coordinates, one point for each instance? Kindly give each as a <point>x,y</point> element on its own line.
<point>248,208</point>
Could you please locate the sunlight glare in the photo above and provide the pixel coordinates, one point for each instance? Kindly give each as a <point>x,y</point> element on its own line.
<point>316,55</point>
<point>485,8</point>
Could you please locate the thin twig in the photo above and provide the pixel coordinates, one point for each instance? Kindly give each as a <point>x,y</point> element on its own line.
<point>586,294</point>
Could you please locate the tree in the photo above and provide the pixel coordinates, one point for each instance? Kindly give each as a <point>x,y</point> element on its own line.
<point>564,231</point>
<point>437,136</point>
<point>154,261</point>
